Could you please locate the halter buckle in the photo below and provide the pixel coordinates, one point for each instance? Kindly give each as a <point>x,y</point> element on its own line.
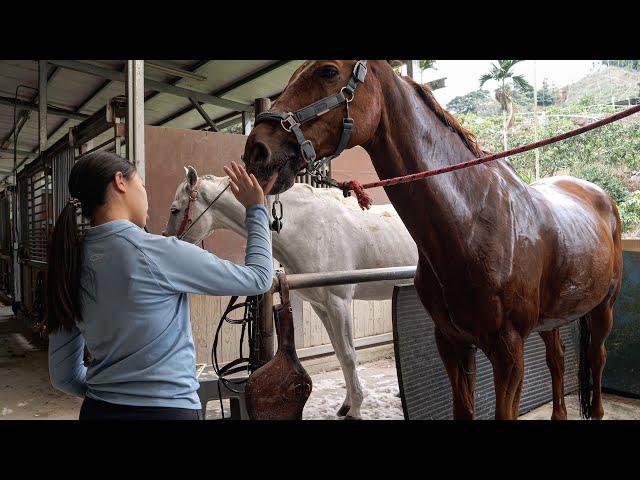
<point>349,100</point>
<point>290,121</point>
<point>309,158</point>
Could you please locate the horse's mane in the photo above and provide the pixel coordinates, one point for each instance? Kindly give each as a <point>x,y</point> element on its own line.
<point>445,117</point>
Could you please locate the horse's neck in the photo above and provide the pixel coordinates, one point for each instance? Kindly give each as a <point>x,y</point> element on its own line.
<point>411,139</point>
<point>228,213</point>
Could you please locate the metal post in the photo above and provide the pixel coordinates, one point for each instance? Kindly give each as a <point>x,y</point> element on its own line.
<point>413,70</point>
<point>246,124</point>
<point>267,345</point>
<point>135,115</point>
<point>42,104</point>
<point>17,291</point>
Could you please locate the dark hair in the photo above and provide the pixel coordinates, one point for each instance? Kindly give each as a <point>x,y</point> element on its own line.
<point>88,182</point>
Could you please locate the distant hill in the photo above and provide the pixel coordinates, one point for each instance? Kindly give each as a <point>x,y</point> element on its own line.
<point>601,86</point>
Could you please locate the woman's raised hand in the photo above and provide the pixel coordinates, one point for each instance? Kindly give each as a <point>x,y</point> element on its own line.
<point>244,186</point>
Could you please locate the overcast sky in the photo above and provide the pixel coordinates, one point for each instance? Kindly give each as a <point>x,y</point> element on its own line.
<point>463,75</point>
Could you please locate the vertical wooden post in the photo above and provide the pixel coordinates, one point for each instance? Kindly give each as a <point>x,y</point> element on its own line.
<point>535,121</point>
<point>135,115</point>
<point>262,104</point>
<point>246,123</point>
<point>267,344</point>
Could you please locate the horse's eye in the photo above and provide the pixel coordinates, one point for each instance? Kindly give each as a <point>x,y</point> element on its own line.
<point>328,72</point>
<point>174,210</point>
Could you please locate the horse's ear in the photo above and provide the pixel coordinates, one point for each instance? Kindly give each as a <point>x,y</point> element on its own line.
<point>192,175</point>
<point>395,63</point>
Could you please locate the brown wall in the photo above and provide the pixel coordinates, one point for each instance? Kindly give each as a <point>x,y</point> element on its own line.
<point>168,150</point>
<point>355,164</point>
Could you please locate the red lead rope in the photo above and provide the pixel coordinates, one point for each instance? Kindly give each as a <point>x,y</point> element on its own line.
<point>364,200</point>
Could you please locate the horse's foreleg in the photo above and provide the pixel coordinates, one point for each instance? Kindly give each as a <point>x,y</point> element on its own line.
<point>460,362</point>
<point>555,362</point>
<point>507,359</point>
<point>337,318</point>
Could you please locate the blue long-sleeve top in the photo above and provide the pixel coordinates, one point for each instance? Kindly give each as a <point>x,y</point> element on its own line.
<point>135,312</point>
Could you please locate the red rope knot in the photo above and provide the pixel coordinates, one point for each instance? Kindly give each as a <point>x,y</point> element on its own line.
<point>364,200</point>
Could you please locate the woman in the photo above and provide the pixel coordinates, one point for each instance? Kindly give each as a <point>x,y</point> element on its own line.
<point>122,292</point>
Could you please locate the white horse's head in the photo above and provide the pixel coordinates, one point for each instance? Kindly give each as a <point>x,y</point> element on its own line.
<point>183,215</point>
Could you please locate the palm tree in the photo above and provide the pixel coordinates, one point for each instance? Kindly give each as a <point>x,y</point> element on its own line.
<point>503,74</point>
<point>423,64</point>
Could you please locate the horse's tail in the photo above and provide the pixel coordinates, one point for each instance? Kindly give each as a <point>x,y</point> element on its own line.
<point>585,389</point>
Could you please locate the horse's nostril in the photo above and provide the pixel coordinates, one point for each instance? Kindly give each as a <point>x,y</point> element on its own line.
<point>261,152</point>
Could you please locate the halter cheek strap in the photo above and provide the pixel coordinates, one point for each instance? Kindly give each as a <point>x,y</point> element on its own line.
<point>188,215</point>
<point>291,121</point>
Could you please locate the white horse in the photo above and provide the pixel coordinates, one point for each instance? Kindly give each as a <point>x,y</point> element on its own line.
<point>322,231</point>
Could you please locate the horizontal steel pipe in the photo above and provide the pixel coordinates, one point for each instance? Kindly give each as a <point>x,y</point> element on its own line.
<point>345,277</point>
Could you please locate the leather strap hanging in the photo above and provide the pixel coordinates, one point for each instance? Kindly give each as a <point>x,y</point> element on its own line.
<point>280,388</point>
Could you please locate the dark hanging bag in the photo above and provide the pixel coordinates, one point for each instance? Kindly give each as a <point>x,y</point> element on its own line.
<point>280,388</point>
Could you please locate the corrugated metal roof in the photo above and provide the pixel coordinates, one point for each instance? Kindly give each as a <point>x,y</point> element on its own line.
<point>86,93</point>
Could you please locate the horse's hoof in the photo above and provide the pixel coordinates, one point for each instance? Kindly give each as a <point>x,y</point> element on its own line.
<point>349,417</point>
<point>343,410</point>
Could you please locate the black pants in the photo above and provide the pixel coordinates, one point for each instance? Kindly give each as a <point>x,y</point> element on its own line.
<point>99,410</point>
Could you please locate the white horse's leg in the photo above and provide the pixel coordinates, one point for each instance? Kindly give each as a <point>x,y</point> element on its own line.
<point>335,314</point>
<point>327,322</point>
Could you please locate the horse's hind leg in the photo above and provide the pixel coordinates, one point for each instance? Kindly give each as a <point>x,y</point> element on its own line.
<point>555,362</point>
<point>600,326</point>
<point>336,316</point>
<point>460,362</point>
<point>507,360</point>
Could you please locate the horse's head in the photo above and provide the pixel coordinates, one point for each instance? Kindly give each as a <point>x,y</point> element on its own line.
<point>273,152</point>
<point>187,206</point>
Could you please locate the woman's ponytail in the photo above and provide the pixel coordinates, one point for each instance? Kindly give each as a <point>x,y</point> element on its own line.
<point>63,273</point>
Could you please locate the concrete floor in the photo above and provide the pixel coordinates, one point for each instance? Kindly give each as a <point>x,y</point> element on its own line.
<point>615,408</point>
<point>26,392</point>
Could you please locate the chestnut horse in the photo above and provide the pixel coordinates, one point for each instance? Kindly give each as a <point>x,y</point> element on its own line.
<point>498,259</point>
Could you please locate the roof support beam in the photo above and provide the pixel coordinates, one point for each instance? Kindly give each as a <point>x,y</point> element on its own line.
<point>231,118</point>
<point>55,111</point>
<point>22,120</point>
<point>223,91</point>
<point>204,114</point>
<point>176,81</point>
<point>20,152</point>
<point>151,84</point>
<point>24,114</point>
<point>174,70</point>
<point>84,103</point>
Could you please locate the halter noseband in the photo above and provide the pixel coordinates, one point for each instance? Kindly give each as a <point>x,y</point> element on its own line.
<point>189,211</point>
<point>291,121</point>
